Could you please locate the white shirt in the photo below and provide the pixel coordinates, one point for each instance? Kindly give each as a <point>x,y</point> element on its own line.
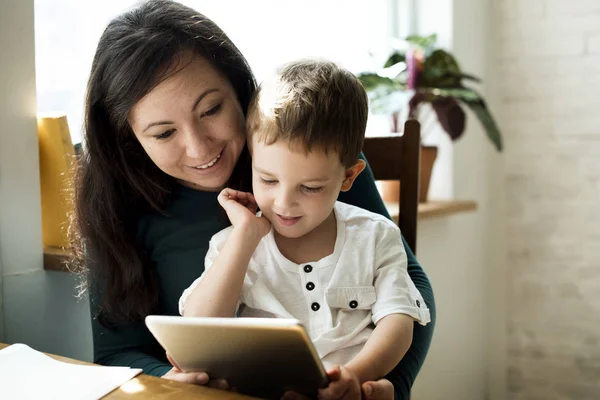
<point>338,297</point>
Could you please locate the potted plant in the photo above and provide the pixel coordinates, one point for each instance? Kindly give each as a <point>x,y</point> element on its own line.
<point>424,74</point>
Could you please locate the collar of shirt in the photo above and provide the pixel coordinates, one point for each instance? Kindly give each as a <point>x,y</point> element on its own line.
<point>288,265</point>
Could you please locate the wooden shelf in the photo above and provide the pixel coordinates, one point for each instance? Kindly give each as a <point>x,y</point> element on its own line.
<point>56,259</point>
<point>436,209</point>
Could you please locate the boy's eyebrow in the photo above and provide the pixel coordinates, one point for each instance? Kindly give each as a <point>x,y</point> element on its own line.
<point>319,179</point>
<point>316,179</point>
<point>262,171</point>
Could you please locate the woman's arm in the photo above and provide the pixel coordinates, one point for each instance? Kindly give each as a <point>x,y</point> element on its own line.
<point>129,345</point>
<point>364,194</point>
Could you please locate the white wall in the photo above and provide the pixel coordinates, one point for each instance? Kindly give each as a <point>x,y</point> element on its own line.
<point>39,308</point>
<point>464,255</point>
<point>549,58</point>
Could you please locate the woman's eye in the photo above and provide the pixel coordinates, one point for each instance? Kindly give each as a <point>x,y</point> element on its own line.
<point>212,111</point>
<point>165,134</point>
<point>267,181</point>
<point>312,189</point>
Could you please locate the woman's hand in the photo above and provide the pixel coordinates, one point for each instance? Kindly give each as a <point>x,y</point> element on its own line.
<point>194,378</point>
<point>241,210</point>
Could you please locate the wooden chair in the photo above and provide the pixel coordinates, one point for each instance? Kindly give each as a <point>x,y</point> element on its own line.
<point>397,158</point>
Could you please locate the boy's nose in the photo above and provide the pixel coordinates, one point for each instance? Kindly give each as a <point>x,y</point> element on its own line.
<point>284,200</point>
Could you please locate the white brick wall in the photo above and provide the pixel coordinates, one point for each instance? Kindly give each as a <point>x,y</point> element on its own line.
<point>548,62</point>
<point>593,44</point>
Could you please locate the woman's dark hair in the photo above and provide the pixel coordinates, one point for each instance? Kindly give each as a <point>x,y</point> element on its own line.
<point>116,180</point>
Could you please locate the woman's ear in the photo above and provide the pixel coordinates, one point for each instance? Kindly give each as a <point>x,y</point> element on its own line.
<point>352,173</point>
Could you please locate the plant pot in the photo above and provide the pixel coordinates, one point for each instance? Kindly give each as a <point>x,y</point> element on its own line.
<point>428,156</point>
<point>390,190</point>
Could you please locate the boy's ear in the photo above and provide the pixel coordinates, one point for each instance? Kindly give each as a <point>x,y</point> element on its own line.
<point>352,173</point>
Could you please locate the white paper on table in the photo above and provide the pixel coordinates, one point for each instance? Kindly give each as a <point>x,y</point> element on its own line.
<point>26,373</point>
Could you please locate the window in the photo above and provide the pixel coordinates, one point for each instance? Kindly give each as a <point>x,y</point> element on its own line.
<point>355,33</point>
<point>358,34</point>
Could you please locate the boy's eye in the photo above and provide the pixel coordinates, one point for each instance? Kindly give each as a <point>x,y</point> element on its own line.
<point>267,181</point>
<point>165,134</point>
<point>312,189</point>
<point>212,111</point>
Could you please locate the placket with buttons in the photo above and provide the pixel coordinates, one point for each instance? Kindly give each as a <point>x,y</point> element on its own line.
<point>310,286</point>
<point>314,295</point>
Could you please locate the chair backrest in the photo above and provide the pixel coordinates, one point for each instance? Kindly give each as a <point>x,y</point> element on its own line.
<point>397,158</point>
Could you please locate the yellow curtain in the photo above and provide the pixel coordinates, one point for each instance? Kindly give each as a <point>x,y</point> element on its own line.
<point>57,156</point>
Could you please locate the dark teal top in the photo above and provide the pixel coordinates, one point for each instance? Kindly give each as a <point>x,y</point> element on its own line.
<point>177,244</point>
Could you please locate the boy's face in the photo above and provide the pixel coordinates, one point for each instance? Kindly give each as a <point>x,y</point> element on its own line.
<point>295,190</point>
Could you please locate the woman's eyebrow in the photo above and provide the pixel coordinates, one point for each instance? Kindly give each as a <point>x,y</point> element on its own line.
<point>203,95</point>
<point>156,124</point>
<point>198,100</point>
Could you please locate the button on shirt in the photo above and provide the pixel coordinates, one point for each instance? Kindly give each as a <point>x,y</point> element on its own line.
<point>338,298</point>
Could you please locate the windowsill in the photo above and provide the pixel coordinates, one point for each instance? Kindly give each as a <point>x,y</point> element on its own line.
<point>56,259</point>
<point>436,208</point>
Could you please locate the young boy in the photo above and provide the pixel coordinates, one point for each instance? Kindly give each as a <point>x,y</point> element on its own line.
<point>337,268</point>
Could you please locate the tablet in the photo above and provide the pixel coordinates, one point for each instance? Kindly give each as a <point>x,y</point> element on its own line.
<point>262,357</point>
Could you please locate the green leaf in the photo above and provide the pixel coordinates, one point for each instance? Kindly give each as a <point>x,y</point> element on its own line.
<point>476,103</point>
<point>488,122</point>
<point>425,43</point>
<point>463,94</point>
<point>394,59</point>
<point>443,60</point>
<point>372,80</point>
<point>440,69</point>
<point>396,72</point>
<point>447,79</point>
<point>484,115</point>
<point>469,77</point>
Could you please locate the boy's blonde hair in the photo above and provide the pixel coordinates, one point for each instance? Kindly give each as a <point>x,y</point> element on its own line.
<point>314,104</point>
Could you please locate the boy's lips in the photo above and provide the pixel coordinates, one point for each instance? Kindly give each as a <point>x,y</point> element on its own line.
<point>287,221</point>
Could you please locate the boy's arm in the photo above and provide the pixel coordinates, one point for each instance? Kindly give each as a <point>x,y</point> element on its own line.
<point>217,292</point>
<point>385,348</point>
<point>364,194</point>
<point>398,305</point>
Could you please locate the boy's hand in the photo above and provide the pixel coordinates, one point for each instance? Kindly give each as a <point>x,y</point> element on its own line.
<point>343,385</point>
<point>241,210</point>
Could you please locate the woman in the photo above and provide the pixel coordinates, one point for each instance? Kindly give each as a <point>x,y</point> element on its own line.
<point>164,120</point>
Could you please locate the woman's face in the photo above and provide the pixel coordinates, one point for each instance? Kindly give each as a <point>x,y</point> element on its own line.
<point>192,126</point>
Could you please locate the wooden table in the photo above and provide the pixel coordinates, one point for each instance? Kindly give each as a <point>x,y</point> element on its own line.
<point>153,388</point>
